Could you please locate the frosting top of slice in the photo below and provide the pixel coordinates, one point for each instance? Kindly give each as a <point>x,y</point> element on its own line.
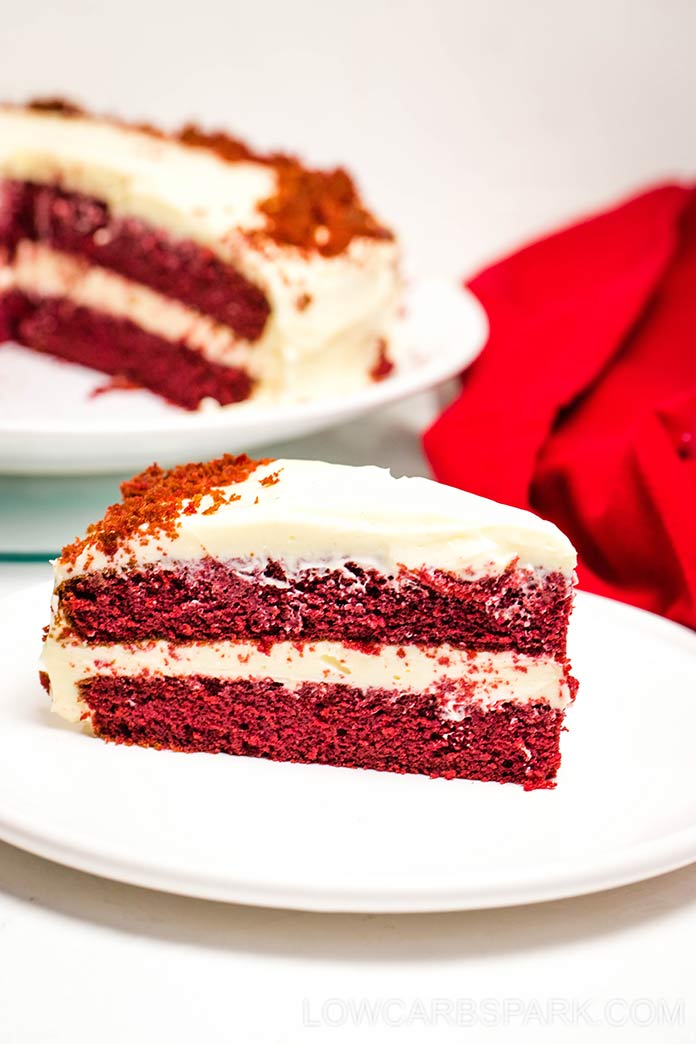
<point>310,513</point>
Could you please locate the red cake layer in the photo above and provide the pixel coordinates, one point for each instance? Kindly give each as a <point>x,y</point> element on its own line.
<point>209,600</point>
<point>117,346</point>
<point>180,269</point>
<point>13,308</point>
<point>329,724</point>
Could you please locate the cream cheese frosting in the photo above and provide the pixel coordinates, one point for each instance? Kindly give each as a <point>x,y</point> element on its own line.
<point>494,677</point>
<point>313,514</point>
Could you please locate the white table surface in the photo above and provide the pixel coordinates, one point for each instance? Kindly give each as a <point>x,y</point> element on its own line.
<point>81,956</point>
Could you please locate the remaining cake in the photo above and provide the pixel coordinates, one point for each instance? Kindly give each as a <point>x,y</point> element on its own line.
<point>311,612</point>
<point>188,263</point>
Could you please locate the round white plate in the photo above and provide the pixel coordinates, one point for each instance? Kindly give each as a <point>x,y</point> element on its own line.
<point>51,422</point>
<point>319,838</point>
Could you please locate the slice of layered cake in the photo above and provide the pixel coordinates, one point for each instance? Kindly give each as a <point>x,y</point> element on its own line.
<point>187,262</point>
<point>311,612</point>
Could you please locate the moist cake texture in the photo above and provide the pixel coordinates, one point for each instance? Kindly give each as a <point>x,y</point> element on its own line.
<point>310,612</point>
<point>189,263</point>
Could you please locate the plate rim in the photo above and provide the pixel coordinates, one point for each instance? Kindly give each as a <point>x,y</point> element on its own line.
<point>649,860</point>
<point>543,882</point>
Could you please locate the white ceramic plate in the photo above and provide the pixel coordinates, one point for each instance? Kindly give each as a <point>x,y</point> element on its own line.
<point>319,838</point>
<point>51,423</point>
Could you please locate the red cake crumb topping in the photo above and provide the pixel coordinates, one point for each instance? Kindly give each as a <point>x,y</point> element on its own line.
<point>311,209</point>
<point>383,365</point>
<point>153,500</point>
<point>316,209</point>
<point>118,382</point>
<point>58,106</point>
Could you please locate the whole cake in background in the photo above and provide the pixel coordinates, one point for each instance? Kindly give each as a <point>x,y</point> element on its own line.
<point>311,612</point>
<point>187,262</point>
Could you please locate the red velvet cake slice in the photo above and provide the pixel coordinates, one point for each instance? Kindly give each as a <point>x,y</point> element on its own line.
<point>188,263</point>
<point>311,612</point>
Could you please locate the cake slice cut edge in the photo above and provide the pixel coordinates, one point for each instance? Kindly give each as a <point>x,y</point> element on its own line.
<point>309,612</point>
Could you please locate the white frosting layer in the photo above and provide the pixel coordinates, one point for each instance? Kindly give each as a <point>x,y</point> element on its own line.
<point>484,678</point>
<point>38,269</point>
<point>191,192</point>
<point>327,347</point>
<point>324,515</point>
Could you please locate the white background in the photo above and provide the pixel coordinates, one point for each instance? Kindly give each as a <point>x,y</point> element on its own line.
<point>472,126</point>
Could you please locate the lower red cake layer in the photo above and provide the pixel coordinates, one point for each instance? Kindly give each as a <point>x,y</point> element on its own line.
<point>516,610</point>
<point>181,269</point>
<point>116,346</point>
<point>329,724</point>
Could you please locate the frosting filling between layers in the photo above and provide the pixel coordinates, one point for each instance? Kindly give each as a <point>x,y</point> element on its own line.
<point>484,678</point>
<point>180,269</point>
<point>40,271</point>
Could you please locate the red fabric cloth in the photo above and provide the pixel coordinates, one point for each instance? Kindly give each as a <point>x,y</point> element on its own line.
<point>582,406</point>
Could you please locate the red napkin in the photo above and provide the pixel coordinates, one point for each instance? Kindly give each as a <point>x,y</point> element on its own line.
<point>582,406</point>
